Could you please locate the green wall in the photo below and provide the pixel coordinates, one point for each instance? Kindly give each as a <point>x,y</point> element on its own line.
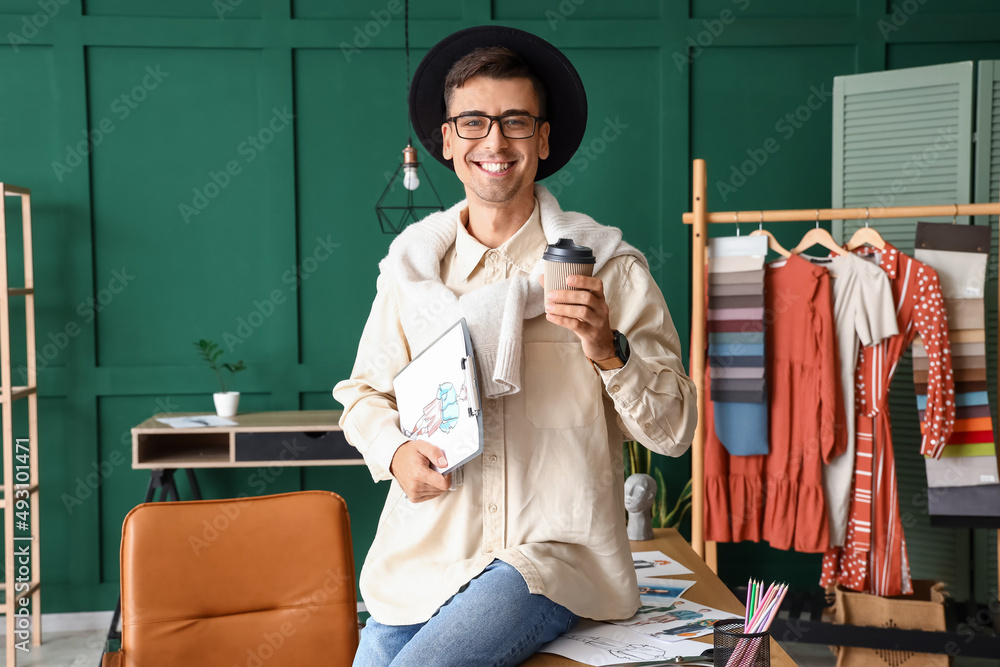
<point>127,277</point>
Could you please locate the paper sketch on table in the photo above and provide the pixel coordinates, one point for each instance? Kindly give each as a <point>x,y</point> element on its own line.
<point>437,397</point>
<point>681,619</point>
<point>662,591</point>
<point>600,644</point>
<point>200,421</point>
<point>656,563</point>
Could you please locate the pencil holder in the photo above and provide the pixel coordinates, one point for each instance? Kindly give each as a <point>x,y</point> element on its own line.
<point>735,648</point>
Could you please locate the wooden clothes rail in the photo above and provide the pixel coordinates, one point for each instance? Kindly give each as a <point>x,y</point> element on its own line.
<point>699,217</point>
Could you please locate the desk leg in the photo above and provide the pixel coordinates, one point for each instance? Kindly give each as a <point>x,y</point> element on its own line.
<point>154,478</point>
<point>193,483</point>
<point>169,486</point>
<point>113,630</point>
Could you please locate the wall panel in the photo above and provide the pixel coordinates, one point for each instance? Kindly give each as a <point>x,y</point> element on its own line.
<point>766,140</point>
<point>713,9</point>
<point>29,151</point>
<point>918,55</point>
<point>223,9</point>
<point>340,178</point>
<point>954,6</point>
<point>381,11</point>
<point>614,176</point>
<point>182,176</point>
<point>557,12</point>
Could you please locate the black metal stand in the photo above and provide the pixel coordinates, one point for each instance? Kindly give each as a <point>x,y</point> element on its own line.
<point>164,481</point>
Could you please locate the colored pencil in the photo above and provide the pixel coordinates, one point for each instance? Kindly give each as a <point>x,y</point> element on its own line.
<point>761,612</point>
<point>748,605</point>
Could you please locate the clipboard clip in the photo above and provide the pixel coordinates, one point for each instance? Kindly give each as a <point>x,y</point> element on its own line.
<point>471,382</point>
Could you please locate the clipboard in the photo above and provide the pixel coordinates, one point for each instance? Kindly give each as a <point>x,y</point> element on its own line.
<point>437,397</point>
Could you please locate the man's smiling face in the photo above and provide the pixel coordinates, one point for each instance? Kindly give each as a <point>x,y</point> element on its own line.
<point>495,169</point>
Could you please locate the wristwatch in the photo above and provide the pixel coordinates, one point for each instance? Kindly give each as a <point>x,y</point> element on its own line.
<point>622,352</point>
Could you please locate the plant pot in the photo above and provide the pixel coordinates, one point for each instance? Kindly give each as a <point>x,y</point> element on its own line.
<point>226,402</point>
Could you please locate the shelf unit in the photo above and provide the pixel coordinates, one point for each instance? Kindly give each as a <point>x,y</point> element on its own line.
<point>14,486</point>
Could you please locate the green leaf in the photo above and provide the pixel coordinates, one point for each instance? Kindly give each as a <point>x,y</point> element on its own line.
<point>681,507</point>
<point>661,496</point>
<point>673,521</point>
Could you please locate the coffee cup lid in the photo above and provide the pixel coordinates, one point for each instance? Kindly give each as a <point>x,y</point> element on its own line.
<point>567,252</point>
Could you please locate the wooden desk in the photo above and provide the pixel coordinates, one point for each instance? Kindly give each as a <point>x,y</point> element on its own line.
<point>708,591</point>
<point>285,438</point>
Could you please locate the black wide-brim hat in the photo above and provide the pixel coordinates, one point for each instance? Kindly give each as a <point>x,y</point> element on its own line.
<point>566,99</point>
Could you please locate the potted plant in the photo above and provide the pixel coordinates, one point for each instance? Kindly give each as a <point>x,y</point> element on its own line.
<point>225,401</point>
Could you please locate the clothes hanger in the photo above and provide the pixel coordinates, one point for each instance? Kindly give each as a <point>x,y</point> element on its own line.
<point>868,235</point>
<point>818,236</point>
<point>772,242</point>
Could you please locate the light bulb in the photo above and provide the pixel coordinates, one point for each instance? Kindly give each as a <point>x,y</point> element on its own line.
<point>410,179</point>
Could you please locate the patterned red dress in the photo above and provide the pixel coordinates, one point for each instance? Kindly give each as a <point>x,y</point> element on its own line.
<point>873,558</point>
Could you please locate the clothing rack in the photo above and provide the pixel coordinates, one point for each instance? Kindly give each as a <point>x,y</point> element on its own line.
<point>699,217</point>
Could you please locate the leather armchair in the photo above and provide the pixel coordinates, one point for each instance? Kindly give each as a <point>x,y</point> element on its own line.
<point>266,581</point>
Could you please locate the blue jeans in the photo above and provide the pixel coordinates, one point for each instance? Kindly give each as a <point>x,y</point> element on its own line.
<point>492,620</point>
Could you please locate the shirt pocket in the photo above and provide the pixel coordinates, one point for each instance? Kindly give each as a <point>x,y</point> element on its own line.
<point>561,389</point>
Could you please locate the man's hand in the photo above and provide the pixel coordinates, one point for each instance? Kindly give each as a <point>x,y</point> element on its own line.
<point>411,466</point>
<point>584,312</point>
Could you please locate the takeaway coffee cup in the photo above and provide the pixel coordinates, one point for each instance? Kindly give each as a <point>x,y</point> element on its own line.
<point>563,259</point>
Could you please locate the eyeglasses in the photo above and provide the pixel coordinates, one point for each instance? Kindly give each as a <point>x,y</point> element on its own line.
<point>512,126</point>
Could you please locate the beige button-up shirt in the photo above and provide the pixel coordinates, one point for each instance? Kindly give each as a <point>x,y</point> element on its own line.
<point>546,496</point>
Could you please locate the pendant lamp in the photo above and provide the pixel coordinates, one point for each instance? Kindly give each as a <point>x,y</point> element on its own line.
<point>400,203</point>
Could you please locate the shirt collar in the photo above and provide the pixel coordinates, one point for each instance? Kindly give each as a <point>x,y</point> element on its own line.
<point>468,251</point>
<point>888,257</point>
<point>522,249</point>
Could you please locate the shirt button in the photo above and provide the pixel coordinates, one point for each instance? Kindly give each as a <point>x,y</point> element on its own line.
<point>493,403</point>
<point>646,425</point>
<point>615,388</point>
<point>494,459</point>
<point>493,508</point>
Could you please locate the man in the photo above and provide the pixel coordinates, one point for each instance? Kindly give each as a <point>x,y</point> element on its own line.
<point>534,538</point>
